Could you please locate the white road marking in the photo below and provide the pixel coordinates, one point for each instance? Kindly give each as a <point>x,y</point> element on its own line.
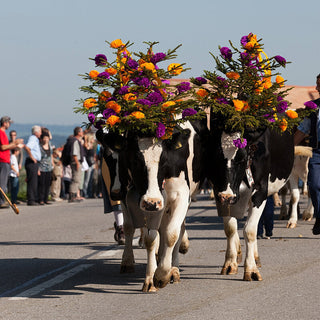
<point>50,283</point>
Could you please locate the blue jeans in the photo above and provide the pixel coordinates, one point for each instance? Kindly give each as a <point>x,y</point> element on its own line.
<point>267,218</point>
<point>14,184</point>
<point>314,181</point>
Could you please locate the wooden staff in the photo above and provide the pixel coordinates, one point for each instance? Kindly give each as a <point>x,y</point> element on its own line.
<point>12,205</point>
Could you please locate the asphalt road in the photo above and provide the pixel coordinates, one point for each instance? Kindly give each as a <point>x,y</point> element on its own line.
<point>60,262</point>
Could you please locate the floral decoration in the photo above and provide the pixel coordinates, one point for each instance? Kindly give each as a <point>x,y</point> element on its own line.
<point>247,90</point>
<point>133,92</point>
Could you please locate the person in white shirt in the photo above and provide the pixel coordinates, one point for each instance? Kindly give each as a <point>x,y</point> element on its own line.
<point>14,175</point>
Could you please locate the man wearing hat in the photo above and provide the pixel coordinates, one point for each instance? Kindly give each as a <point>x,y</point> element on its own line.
<point>5,148</point>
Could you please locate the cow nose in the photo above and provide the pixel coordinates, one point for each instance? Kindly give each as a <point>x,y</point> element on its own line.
<point>151,205</point>
<point>226,198</point>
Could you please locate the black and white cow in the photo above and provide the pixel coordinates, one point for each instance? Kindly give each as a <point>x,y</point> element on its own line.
<point>242,179</point>
<point>157,180</point>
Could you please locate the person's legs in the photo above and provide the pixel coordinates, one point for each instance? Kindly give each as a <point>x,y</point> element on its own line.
<point>14,184</point>
<point>4,176</point>
<point>32,181</point>
<point>269,216</point>
<point>314,187</point>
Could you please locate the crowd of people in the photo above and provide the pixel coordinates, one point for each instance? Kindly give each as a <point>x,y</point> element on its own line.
<point>71,172</point>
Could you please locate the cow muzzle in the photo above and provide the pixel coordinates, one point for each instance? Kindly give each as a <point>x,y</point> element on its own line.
<point>226,198</point>
<point>151,204</point>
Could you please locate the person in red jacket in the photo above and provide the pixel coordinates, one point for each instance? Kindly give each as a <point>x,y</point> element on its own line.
<point>5,148</point>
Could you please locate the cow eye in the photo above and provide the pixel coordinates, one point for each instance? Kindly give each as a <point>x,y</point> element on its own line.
<point>178,145</point>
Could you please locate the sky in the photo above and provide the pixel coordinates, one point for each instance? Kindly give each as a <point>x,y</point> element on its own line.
<point>46,44</point>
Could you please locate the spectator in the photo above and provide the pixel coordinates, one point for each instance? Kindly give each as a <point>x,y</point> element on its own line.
<point>13,137</point>
<point>89,154</point>
<point>77,154</point>
<point>14,175</point>
<point>266,219</point>
<point>32,165</point>
<point>55,188</point>
<point>45,167</point>
<point>5,148</point>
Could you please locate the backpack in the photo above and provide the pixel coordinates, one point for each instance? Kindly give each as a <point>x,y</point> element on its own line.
<point>67,150</point>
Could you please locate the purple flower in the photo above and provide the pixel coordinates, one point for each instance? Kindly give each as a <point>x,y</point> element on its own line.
<point>157,57</point>
<point>123,90</point>
<point>188,112</point>
<point>200,80</point>
<point>282,106</point>
<point>226,53</point>
<point>222,101</point>
<point>143,82</point>
<point>98,125</point>
<point>240,143</point>
<point>133,64</point>
<point>100,60</point>
<point>311,105</point>
<point>183,87</point>
<point>223,81</point>
<point>244,40</point>
<point>155,98</point>
<point>91,117</point>
<point>161,130</point>
<point>281,60</point>
<point>104,75</point>
<point>144,102</point>
<point>165,81</point>
<point>108,112</point>
<point>279,98</point>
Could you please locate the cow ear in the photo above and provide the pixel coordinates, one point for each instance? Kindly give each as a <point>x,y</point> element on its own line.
<point>112,140</point>
<point>179,138</point>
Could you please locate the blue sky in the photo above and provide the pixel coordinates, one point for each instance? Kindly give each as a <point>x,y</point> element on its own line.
<point>47,43</point>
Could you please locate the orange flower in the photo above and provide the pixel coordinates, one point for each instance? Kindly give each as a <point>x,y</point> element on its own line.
<point>167,105</point>
<point>292,114</point>
<point>93,74</point>
<point>114,106</point>
<point>168,133</point>
<point>175,68</point>
<point>267,83</point>
<point>280,81</point>
<point>233,75</point>
<point>89,103</point>
<point>283,125</point>
<point>116,44</point>
<point>137,114</point>
<point>202,93</point>
<point>124,79</point>
<point>238,104</point>
<point>148,66</point>
<point>112,120</point>
<point>252,42</point>
<point>111,71</point>
<point>259,86</point>
<point>130,97</point>
<point>104,95</point>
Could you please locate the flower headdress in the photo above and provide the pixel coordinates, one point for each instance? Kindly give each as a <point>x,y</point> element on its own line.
<point>248,92</point>
<point>132,93</point>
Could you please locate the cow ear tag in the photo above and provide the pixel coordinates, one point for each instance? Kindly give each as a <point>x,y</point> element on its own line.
<point>249,176</point>
<point>178,145</point>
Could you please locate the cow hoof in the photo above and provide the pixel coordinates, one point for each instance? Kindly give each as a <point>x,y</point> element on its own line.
<point>127,269</point>
<point>229,270</point>
<point>291,225</point>
<point>258,262</point>
<point>184,247</point>
<point>149,287</point>
<point>252,276</point>
<point>162,278</point>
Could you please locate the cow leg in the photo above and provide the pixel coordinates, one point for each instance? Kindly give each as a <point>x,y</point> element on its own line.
<point>233,246</point>
<point>283,207</point>
<point>184,244</point>
<point>127,263</point>
<point>307,214</point>
<point>295,196</point>
<point>170,231</point>
<point>151,240</point>
<point>251,271</point>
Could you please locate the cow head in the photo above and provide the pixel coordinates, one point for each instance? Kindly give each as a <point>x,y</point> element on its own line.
<point>229,166</point>
<point>146,162</point>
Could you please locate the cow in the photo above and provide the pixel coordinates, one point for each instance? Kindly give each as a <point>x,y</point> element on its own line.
<point>157,179</point>
<point>242,179</point>
<point>299,171</point>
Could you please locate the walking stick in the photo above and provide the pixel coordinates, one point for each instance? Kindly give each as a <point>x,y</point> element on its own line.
<point>12,205</point>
